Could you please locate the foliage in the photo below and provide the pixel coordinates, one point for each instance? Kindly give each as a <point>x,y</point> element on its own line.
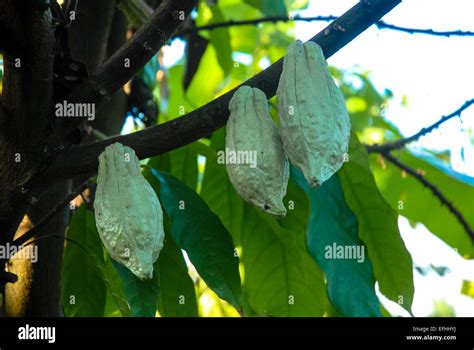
<point>224,257</point>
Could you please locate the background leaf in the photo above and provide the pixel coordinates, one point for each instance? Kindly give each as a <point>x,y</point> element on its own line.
<point>269,7</point>
<point>83,287</point>
<point>411,199</point>
<point>220,39</point>
<point>378,227</point>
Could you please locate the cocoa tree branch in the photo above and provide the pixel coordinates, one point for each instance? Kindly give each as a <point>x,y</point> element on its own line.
<point>433,188</point>
<point>269,19</point>
<point>384,25</point>
<point>212,116</point>
<point>275,19</point>
<point>130,58</point>
<point>45,220</point>
<point>402,142</point>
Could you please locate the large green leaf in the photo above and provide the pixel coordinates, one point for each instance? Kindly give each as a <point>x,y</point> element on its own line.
<point>280,277</point>
<point>411,199</point>
<point>142,296</point>
<point>177,296</point>
<point>220,39</point>
<point>198,231</point>
<point>83,289</point>
<point>378,227</point>
<point>184,165</point>
<point>333,226</point>
<point>218,192</point>
<point>207,80</point>
<point>243,38</point>
<point>177,104</point>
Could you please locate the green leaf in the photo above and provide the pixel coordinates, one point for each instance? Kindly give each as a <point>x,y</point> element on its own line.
<point>184,165</point>
<point>413,200</point>
<point>269,7</point>
<point>218,192</point>
<point>83,288</point>
<point>220,39</point>
<point>114,288</point>
<point>280,277</point>
<point>142,296</point>
<point>177,296</point>
<point>297,4</point>
<point>178,104</point>
<point>378,227</point>
<point>333,226</point>
<point>243,38</point>
<point>198,231</point>
<point>116,301</point>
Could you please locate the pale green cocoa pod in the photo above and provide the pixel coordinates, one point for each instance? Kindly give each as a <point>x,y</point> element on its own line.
<point>314,123</point>
<point>128,213</point>
<point>252,134</point>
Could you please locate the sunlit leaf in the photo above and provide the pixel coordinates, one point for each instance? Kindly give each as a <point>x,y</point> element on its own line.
<point>378,227</point>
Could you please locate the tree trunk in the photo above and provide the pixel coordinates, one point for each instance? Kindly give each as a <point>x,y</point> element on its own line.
<point>37,293</point>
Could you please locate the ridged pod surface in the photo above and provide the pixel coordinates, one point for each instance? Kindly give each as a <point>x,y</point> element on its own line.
<point>314,122</point>
<point>250,128</point>
<point>128,213</point>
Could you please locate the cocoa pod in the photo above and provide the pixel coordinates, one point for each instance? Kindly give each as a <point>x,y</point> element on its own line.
<point>314,122</point>
<point>128,213</point>
<point>251,131</point>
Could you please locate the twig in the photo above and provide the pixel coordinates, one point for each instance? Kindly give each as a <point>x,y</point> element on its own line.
<point>45,220</point>
<point>212,116</point>
<point>275,19</point>
<point>436,192</point>
<point>271,19</point>
<point>383,25</point>
<point>402,142</point>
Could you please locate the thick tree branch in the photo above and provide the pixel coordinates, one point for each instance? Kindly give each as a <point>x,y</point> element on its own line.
<point>436,192</point>
<point>209,118</point>
<point>275,19</point>
<point>50,215</point>
<point>131,57</point>
<point>401,143</point>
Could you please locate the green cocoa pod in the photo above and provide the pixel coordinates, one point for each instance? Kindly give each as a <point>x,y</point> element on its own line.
<point>251,134</point>
<point>128,213</point>
<point>314,122</point>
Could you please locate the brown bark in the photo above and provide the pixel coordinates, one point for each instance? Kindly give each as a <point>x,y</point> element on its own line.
<point>37,293</point>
